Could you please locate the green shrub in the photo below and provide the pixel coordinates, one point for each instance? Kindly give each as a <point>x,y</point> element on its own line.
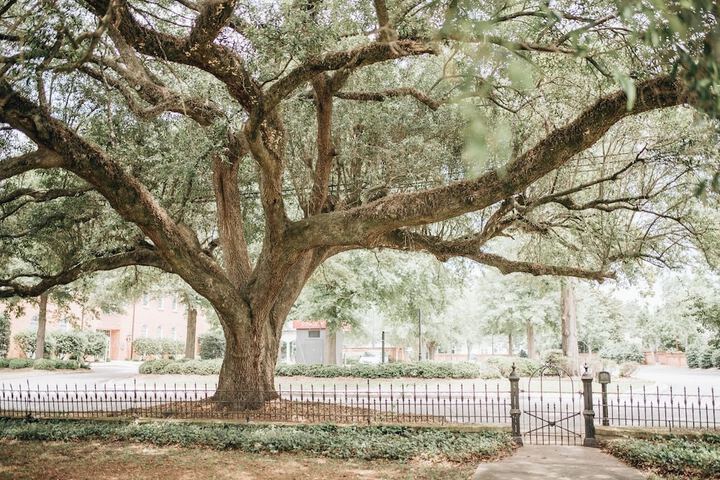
<point>561,364</point>
<point>45,364</point>
<point>26,341</point>
<point>706,358</point>
<point>693,353</point>
<point>368,443</point>
<point>716,358</point>
<point>524,367</point>
<point>21,363</point>
<point>145,347</point>
<point>674,456</point>
<point>71,345</point>
<point>4,363</point>
<point>211,345</point>
<point>622,352</point>
<point>171,347</point>
<point>628,368</point>
<point>4,334</point>
<point>96,345</point>
<point>388,370</point>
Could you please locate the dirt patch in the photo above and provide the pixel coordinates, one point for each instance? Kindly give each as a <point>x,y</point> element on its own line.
<point>127,461</point>
<point>285,411</point>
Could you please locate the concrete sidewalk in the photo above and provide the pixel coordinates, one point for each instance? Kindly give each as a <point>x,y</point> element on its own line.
<point>557,463</point>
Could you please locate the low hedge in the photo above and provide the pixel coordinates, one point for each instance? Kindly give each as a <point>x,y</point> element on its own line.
<point>367,443</point>
<point>388,370</point>
<point>687,458</point>
<point>42,364</point>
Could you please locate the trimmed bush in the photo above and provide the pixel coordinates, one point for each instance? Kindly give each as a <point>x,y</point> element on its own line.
<point>524,367</point>
<point>4,334</point>
<point>693,353</point>
<point>145,347</point>
<point>21,363</point>
<point>367,443</point>
<point>41,364</point>
<point>673,456</point>
<point>622,352</point>
<point>96,345</point>
<point>628,368</point>
<point>716,358</point>
<point>388,370</point>
<point>706,359</point>
<point>45,364</point>
<point>211,345</point>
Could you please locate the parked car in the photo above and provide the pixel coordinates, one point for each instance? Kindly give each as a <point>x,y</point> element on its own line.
<point>368,358</point>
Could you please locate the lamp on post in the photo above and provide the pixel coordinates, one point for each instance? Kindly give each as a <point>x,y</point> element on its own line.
<point>604,379</point>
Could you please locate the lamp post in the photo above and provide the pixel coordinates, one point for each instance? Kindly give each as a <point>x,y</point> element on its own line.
<point>604,379</point>
<point>419,335</point>
<point>382,347</point>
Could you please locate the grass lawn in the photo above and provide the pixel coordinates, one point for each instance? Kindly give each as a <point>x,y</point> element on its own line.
<point>127,461</point>
<point>671,457</point>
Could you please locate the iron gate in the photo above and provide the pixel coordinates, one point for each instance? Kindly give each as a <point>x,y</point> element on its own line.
<point>552,408</point>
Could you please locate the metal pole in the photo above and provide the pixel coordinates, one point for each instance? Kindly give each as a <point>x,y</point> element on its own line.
<point>515,406</point>
<point>605,419</point>
<point>588,411</point>
<point>382,347</point>
<point>419,335</point>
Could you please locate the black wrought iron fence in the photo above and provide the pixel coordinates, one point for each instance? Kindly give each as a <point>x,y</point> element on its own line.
<point>311,404</point>
<point>658,407</point>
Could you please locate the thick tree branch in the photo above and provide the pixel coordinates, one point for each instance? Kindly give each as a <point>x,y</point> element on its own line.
<point>218,60</point>
<point>349,59</point>
<point>144,256</point>
<point>214,15</point>
<point>132,200</point>
<point>470,248</point>
<point>358,224</point>
<point>42,158</point>
<point>230,219</point>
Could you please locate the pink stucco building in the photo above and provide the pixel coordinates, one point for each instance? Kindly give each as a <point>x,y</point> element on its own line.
<point>152,317</point>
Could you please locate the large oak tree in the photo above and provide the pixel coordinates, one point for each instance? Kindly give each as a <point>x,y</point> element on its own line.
<point>239,145</point>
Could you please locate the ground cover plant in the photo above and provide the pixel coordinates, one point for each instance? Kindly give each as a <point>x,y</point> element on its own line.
<point>348,442</point>
<point>133,461</point>
<point>672,456</point>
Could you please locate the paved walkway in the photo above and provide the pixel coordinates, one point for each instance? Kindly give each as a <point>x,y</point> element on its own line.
<point>557,463</point>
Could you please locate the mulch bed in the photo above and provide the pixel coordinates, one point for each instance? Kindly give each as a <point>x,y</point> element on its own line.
<point>280,410</point>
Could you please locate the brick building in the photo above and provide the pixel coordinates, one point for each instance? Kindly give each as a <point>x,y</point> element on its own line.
<point>151,317</point>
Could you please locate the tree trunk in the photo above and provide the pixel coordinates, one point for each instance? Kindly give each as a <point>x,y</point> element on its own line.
<point>530,329</point>
<point>431,348</point>
<point>469,349</point>
<point>569,325</point>
<point>331,348</point>
<point>510,344</point>
<point>42,324</point>
<point>247,375</point>
<point>190,332</point>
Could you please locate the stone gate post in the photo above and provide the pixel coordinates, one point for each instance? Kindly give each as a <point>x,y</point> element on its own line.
<point>588,411</point>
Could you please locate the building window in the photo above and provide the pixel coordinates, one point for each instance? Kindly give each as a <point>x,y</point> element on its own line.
<point>173,333</point>
<point>34,322</point>
<point>144,331</point>
<point>161,303</point>
<point>174,304</point>
<point>159,331</point>
<point>145,300</point>
<point>64,325</point>
<point>313,333</point>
